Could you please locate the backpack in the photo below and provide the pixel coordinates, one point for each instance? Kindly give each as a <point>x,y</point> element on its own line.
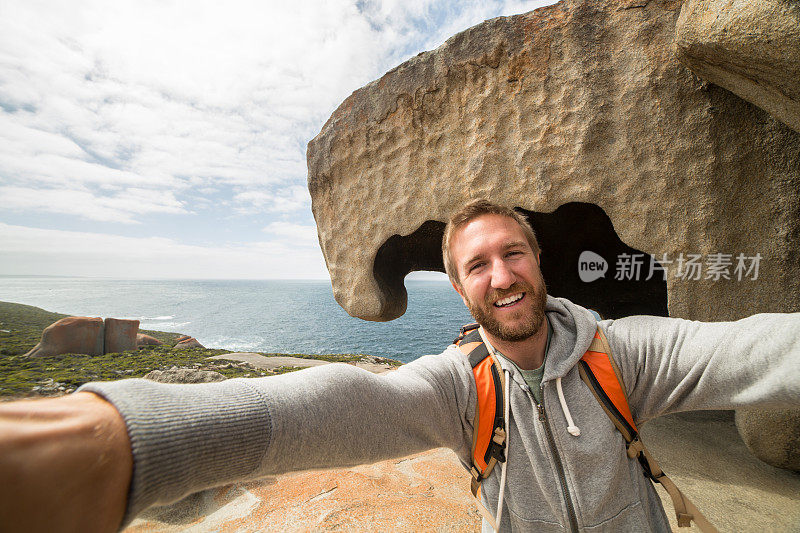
<point>599,371</point>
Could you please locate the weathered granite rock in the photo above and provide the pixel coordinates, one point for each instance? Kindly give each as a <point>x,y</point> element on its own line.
<point>188,342</point>
<point>184,375</point>
<point>143,339</point>
<point>576,102</point>
<point>120,335</point>
<point>422,492</point>
<point>74,334</point>
<point>751,48</point>
<point>583,101</point>
<point>772,435</point>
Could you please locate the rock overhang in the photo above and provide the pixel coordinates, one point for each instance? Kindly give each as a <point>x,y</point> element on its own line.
<point>577,102</point>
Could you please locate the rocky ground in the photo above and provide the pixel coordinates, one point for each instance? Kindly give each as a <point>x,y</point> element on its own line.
<point>701,452</point>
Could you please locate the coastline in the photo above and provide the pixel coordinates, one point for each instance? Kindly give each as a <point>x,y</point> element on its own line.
<point>30,377</point>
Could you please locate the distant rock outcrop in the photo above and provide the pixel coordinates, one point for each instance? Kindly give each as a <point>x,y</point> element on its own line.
<point>74,334</point>
<point>143,339</point>
<point>188,342</point>
<point>120,335</point>
<point>93,336</point>
<point>184,375</point>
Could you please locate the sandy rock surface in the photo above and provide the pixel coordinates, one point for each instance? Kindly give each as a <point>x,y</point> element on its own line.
<point>705,457</point>
<point>425,492</point>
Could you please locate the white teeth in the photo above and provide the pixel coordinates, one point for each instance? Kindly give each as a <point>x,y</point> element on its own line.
<point>507,301</point>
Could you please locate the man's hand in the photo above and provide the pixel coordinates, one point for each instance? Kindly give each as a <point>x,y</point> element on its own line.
<point>65,465</point>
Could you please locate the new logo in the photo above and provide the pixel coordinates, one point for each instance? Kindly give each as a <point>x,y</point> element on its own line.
<point>591,266</point>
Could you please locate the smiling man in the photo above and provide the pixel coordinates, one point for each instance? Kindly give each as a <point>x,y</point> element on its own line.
<point>492,258</point>
<point>566,467</point>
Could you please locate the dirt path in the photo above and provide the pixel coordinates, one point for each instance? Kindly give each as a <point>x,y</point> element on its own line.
<point>273,362</point>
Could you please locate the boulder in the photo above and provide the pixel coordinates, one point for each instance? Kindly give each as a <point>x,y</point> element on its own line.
<point>582,107</point>
<point>750,48</point>
<point>120,335</point>
<point>74,334</point>
<point>143,339</point>
<point>579,103</point>
<point>772,435</point>
<point>188,342</point>
<point>184,375</point>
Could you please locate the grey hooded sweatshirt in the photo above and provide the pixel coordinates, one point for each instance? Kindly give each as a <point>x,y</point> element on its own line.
<point>187,438</point>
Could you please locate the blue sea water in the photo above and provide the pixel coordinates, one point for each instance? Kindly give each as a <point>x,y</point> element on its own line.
<point>263,316</point>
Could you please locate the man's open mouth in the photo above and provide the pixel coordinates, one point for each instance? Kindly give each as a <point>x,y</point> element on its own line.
<point>509,300</point>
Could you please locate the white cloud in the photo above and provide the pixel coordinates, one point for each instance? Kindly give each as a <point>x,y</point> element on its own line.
<point>283,201</point>
<point>25,250</point>
<point>296,234</point>
<point>120,207</point>
<point>110,111</point>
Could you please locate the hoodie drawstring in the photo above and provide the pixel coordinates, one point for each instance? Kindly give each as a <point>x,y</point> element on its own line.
<point>571,427</point>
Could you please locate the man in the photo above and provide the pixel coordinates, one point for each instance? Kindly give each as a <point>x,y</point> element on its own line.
<point>185,438</point>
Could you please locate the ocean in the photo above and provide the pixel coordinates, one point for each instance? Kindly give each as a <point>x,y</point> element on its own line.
<point>261,316</point>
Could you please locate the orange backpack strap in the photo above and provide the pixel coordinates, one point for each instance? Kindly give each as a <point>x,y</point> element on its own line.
<point>599,371</point>
<point>488,436</point>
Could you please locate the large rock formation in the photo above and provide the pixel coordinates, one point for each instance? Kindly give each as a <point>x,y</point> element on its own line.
<point>577,102</point>
<point>582,115</point>
<point>74,334</point>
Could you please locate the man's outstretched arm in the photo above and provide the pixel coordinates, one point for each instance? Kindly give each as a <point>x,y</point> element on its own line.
<point>65,463</point>
<point>158,442</point>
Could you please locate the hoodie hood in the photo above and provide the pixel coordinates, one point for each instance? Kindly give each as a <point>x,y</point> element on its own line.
<point>573,330</point>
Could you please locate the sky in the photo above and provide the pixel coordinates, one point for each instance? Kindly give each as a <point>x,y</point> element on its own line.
<point>167,139</point>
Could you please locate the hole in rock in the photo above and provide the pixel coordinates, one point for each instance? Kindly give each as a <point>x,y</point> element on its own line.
<point>577,227</point>
<point>563,235</point>
<point>400,255</point>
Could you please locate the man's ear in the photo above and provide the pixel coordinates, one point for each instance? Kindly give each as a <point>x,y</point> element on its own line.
<point>539,259</point>
<point>459,290</point>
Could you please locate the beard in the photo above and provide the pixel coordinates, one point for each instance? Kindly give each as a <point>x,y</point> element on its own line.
<point>534,305</point>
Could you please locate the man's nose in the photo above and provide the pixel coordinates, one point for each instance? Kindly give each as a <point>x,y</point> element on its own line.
<point>502,276</point>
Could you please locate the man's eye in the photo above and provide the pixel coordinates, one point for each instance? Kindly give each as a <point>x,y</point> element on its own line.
<point>474,267</point>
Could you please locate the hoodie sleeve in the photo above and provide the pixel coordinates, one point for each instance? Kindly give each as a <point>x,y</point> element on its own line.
<point>672,365</point>
<point>186,438</point>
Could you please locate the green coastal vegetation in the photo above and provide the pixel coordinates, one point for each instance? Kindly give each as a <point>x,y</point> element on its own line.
<point>20,376</point>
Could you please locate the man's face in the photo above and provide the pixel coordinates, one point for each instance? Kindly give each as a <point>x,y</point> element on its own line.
<point>500,280</point>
